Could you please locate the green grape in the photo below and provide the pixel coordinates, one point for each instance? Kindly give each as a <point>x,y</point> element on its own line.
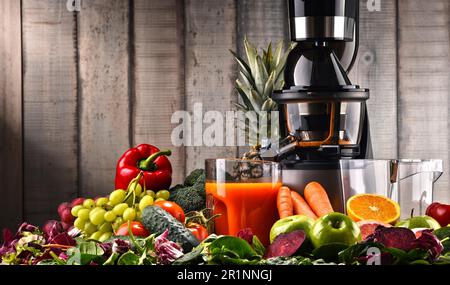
<point>119,209</point>
<point>129,215</point>
<point>151,193</point>
<point>104,237</point>
<point>83,214</point>
<point>101,202</point>
<point>145,202</point>
<point>79,223</point>
<point>105,227</point>
<point>117,197</point>
<point>160,199</point>
<point>89,228</point>
<point>163,194</point>
<point>110,216</point>
<point>136,188</point>
<point>98,217</point>
<point>75,210</point>
<point>89,203</point>
<point>96,236</point>
<point>139,216</point>
<point>93,211</point>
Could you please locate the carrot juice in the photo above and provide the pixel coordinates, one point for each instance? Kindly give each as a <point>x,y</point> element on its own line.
<point>244,205</point>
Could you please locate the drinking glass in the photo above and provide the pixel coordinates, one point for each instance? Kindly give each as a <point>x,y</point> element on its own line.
<point>242,194</point>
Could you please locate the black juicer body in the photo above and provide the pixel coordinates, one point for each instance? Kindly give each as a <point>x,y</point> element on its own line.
<point>323,116</point>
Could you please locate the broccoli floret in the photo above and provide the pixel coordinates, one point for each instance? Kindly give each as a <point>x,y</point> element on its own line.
<point>189,198</point>
<point>195,176</point>
<point>192,195</point>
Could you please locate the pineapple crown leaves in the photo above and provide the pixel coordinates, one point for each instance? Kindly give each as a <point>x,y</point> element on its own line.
<point>260,75</point>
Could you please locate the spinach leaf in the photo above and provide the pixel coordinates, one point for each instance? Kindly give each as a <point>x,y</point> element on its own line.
<point>329,252</point>
<point>231,250</point>
<point>258,246</point>
<point>112,259</point>
<point>85,253</point>
<point>233,245</point>
<point>129,258</point>
<point>353,254</point>
<point>194,257</point>
<point>442,233</point>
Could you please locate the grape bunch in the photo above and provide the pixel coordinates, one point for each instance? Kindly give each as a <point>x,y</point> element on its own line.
<point>99,219</point>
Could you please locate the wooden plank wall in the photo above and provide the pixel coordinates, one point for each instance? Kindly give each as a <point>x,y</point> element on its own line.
<point>86,85</point>
<point>376,69</point>
<point>49,107</point>
<point>11,163</point>
<point>105,94</point>
<point>210,70</point>
<point>424,83</point>
<point>159,75</point>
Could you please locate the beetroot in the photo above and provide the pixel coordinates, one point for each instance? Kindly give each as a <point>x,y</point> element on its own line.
<point>400,238</point>
<point>286,245</point>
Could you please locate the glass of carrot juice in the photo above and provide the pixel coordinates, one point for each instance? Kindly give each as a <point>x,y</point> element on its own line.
<point>243,194</point>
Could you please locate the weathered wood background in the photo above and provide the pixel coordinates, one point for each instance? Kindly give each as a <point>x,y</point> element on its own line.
<point>77,88</point>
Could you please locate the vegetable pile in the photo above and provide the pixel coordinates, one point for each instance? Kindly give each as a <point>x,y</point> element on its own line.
<point>144,222</point>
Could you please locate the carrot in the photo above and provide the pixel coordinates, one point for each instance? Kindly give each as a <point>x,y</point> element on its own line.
<point>318,199</point>
<point>301,207</point>
<point>284,203</point>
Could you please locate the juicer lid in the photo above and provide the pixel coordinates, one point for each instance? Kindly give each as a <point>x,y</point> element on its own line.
<point>298,94</point>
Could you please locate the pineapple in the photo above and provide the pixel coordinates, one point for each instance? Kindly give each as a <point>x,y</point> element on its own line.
<point>259,76</point>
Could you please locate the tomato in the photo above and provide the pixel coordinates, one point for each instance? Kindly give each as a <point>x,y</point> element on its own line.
<point>171,208</point>
<point>137,229</point>
<point>440,212</point>
<point>198,230</point>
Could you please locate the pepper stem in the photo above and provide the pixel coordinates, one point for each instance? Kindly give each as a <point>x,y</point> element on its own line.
<point>148,164</point>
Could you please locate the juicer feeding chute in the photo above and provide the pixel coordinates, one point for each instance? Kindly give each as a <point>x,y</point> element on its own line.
<point>323,116</point>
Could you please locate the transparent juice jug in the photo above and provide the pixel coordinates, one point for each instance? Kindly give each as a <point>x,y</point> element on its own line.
<point>408,182</point>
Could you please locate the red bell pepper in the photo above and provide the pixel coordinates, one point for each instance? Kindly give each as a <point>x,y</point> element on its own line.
<point>154,164</point>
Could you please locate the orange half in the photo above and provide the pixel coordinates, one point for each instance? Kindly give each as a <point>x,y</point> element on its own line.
<point>373,207</point>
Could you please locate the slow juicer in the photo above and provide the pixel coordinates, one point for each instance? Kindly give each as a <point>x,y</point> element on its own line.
<point>323,115</point>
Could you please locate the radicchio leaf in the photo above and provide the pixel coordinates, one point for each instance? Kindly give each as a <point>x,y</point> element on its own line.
<point>63,239</point>
<point>51,229</point>
<point>120,246</point>
<point>246,234</point>
<point>25,227</point>
<point>167,251</point>
<point>8,237</point>
<point>428,241</point>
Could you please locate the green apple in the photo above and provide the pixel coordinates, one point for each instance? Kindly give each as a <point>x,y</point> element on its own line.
<point>335,228</point>
<point>422,222</point>
<point>290,224</point>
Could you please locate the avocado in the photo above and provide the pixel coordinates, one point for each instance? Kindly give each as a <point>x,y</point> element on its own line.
<point>156,220</point>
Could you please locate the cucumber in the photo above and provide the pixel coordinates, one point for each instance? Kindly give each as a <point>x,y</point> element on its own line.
<point>157,221</point>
